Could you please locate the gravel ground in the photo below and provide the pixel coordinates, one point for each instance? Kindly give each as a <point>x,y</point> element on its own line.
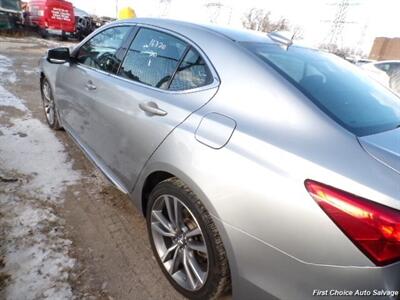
<point>65,232</point>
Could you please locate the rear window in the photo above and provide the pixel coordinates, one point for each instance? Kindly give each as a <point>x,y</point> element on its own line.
<point>338,88</point>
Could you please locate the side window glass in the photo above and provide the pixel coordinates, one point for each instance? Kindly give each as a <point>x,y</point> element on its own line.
<point>152,58</point>
<point>100,52</point>
<point>383,67</point>
<point>192,73</point>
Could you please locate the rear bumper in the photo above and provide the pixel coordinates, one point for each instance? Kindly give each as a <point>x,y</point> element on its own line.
<point>262,272</point>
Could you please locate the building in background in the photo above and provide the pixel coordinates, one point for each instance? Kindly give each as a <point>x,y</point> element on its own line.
<point>385,49</point>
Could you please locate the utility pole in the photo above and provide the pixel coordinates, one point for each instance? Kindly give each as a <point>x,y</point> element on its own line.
<point>361,41</point>
<point>164,7</point>
<point>215,8</point>
<point>339,21</point>
<point>116,9</point>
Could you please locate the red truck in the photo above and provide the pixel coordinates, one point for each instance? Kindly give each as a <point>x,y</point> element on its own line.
<point>51,17</point>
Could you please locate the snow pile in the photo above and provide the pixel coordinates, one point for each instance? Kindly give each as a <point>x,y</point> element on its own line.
<point>31,148</point>
<point>31,71</point>
<point>35,249</point>
<point>7,99</point>
<point>36,253</point>
<point>6,70</point>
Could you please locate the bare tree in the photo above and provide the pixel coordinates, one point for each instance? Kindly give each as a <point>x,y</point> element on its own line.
<point>260,20</point>
<point>298,33</point>
<point>339,51</point>
<point>257,19</point>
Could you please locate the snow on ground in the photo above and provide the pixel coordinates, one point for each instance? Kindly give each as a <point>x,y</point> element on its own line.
<point>36,254</point>
<point>7,99</point>
<point>39,154</point>
<point>6,72</point>
<point>34,174</point>
<point>31,71</point>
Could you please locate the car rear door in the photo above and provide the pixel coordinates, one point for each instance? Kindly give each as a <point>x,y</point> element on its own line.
<point>134,110</point>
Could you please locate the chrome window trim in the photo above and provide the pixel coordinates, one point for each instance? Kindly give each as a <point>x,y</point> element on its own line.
<point>214,84</point>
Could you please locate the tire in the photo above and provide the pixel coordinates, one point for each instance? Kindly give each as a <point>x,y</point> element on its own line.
<point>43,33</point>
<point>63,36</point>
<point>49,106</point>
<point>197,230</point>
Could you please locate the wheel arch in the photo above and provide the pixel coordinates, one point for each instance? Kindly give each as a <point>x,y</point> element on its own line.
<point>154,173</point>
<point>149,184</point>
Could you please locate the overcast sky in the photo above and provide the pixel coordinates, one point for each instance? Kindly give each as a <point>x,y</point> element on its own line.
<point>368,18</point>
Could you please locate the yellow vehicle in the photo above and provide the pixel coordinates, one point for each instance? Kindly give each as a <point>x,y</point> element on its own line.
<point>126,13</point>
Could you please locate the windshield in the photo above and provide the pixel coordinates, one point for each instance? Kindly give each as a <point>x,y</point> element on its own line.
<point>337,87</point>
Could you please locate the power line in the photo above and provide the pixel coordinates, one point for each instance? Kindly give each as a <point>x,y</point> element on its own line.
<point>215,8</point>
<point>339,21</point>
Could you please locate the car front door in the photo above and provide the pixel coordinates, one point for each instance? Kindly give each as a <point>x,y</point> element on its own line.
<point>161,81</point>
<point>80,82</point>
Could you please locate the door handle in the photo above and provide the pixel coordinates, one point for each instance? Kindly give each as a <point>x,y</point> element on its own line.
<point>90,86</point>
<point>152,109</point>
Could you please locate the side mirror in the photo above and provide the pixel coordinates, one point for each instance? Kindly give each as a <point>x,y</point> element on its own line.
<point>58,55</point>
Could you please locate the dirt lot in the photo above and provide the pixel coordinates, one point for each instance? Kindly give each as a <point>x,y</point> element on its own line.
<point>65,231</point>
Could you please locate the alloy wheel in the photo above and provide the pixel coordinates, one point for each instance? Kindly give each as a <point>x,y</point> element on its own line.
<point>48,102</point>
<point>179,242</point>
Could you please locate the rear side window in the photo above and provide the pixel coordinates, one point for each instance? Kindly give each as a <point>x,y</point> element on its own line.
<point>100,52</point>
<point>192,73</point>
<point>153,58</point>
<point>338,88</point>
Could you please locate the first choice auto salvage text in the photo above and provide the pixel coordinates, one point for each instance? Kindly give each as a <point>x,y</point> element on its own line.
<point>349,293</point>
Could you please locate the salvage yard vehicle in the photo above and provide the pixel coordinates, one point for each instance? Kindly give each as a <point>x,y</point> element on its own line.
<point>262,167</point>
<point>51,17</point>
<point>10,14</point>
<point>84,24</point>
<point>386,72</point>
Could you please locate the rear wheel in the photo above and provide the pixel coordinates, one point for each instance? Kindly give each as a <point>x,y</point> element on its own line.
<point>49,105</point>
<point>64,36</point>
<point>186,242</point>
<point>43,33</point>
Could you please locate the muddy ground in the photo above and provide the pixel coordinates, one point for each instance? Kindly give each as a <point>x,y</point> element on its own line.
<point>65,231</point>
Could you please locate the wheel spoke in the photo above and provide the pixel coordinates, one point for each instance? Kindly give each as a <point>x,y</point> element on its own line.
<point>197,246</point>
<point>193,232</point>
<point>187,270</point>
<point>176,259</point>
<point>178,215</point>
<point>168,252</point>
<point>170,210</point>
<point>46,92</point>
<point>157,214</point>
<point>156,227</point>
<point>195,267</point>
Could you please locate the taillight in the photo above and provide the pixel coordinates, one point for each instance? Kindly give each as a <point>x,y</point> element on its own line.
<point>372,227</point>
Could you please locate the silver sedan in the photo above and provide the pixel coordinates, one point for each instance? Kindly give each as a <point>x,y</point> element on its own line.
<point>262,167</point>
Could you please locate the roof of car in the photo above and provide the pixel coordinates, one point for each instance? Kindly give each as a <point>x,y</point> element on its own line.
<point>386,62</point>
<point>234,34</point>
